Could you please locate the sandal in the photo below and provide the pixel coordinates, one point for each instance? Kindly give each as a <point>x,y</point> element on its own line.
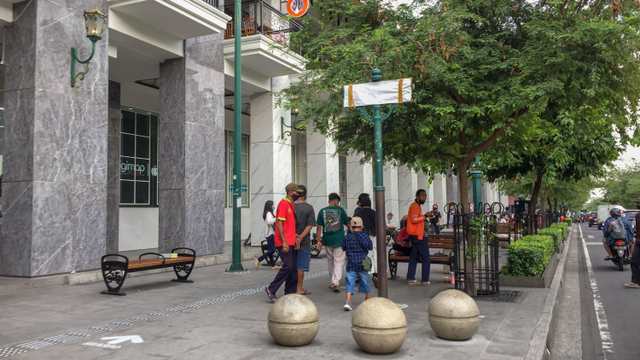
<point>271,296</point>
<point>632,286</point>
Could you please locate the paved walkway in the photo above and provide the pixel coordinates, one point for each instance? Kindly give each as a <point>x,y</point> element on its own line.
<point>223,316</point>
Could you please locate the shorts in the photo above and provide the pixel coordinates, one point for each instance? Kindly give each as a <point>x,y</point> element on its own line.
<point>303,259</point>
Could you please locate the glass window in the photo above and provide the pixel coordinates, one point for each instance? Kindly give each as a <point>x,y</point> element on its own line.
<point>138,181</point>
<point>342,173</point>
<point>244,169</point>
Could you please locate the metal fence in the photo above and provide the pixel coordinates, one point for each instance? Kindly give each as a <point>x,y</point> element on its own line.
<point>213,3</point>
<point>477,247</point>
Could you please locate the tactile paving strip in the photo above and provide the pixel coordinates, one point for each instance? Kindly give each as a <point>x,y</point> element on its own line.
<point>119,324</point>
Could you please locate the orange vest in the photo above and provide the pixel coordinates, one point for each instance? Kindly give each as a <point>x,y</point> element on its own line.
<point>415,220</point>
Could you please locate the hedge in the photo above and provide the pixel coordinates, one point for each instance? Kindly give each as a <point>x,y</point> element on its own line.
<point>556,232</point>
<point>564,226</point>
<point>529,256</point>
<point>568,221</point>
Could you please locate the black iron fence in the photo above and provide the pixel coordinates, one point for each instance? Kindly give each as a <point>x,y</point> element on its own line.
<point>259,17</point>
<point>213,3</point>
<point>476,247</point>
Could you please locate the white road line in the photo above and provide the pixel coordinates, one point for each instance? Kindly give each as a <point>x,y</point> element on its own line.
<point>603,325</point>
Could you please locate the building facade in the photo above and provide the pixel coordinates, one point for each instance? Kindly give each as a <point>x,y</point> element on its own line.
<point>139,155</point>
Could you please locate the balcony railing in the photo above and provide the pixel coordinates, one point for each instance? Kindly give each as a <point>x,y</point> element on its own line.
<point>213,3</point>
<point>259,17</point>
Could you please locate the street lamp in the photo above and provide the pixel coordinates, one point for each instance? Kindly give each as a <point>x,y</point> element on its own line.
<point>95,22</point>
<point>377,93</point>
<point>283,134</point>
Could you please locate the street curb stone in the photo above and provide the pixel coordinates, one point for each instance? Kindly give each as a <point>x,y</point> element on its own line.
<point>545,327</point>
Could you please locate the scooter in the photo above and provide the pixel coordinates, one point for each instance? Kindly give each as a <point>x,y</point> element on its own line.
<point>620,250</point>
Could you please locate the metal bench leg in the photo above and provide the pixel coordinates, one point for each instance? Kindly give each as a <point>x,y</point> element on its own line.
<point>114,273</point>
<point>393,270</point>
<point>183,271</point>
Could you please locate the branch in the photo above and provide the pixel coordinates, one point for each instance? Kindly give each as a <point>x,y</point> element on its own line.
<point>595,8</point>
<point>415,43</point>
<point>458,99</point>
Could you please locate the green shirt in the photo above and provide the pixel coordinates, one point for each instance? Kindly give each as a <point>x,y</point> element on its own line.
<point>332,219</point>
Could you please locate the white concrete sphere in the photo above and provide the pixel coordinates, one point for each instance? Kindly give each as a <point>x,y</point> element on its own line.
<point>454,315</point>
<point>293,320</point>
<point>379,326</point>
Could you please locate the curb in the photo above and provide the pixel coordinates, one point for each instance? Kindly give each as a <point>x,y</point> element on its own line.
<point>544,329</point>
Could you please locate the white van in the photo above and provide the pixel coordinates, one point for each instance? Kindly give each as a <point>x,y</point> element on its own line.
<point>603,213</point>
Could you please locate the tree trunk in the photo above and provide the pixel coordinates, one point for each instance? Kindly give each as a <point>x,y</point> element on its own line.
<point>470,264</point>
<point>463,185</point>
<point>543,208</point>
<point>534,200</point>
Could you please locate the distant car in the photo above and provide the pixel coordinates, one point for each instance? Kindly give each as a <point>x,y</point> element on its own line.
<point>593,218</point>
<point>631,216</point>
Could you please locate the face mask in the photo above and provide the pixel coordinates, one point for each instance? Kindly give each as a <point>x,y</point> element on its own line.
<point>273,208</point>
<point>391,218</point>
<point>295,197</point>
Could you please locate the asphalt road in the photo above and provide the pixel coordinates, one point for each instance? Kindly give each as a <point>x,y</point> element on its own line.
<point>609,314</point>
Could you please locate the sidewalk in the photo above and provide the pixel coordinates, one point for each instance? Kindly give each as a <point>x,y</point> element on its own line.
<point>223,316</point>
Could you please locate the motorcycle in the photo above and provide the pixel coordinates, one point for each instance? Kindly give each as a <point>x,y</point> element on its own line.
<point>620,250</point>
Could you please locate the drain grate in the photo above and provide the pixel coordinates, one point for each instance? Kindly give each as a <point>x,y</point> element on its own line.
<point>504,296</point>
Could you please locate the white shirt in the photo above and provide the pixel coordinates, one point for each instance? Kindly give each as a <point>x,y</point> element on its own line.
<point>269,222</point>
<point>503,221</point>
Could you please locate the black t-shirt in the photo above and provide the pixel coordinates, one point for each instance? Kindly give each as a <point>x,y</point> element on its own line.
<point>638,228</point>
<point>436,218</point>
<point>368,216</point>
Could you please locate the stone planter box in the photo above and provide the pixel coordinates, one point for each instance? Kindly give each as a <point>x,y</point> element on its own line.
<point>543,281</point>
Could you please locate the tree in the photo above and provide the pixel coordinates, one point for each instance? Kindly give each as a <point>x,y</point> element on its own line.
<point>622,186</point>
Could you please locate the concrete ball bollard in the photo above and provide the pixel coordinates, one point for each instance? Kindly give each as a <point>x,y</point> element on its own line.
<point>293,320</point>
<point>379,326</point>
<point>454,315</point>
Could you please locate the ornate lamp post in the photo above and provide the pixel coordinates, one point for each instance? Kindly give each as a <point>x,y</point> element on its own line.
<point>95,22</point>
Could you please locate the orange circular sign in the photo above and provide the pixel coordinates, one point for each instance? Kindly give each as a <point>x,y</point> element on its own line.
<point>297,8</point>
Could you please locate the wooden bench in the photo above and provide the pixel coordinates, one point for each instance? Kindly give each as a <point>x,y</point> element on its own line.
<point>507,233</point>
<point>115,267</point>
<point>442,241</point>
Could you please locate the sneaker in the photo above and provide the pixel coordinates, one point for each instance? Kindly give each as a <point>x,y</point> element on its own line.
<point>374,279</point>
<point>426,283</point>
<point>413,282</point>
<point>347,306</point>
<point>276,267</point>
<point>336,288</point>
<point>257,262</point>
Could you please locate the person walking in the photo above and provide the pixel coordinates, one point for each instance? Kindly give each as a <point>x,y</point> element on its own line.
<point>434,218</point>
<point>331,222</point>
<point>368,216</point>
<point>356,245</point>
<point>268,231</point>
<point>419,244</point>
<point>635,255</point>
<point>285,240</point>
<point>305,220</point>
<point>356,211</point>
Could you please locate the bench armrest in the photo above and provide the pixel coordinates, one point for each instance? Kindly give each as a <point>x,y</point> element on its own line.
<point>153,253</point>
<point>193,252</point>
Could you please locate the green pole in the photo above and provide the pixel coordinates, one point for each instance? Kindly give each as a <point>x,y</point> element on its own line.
<point>477,189</point>
<point>381,227</point>
<point>236,261</point>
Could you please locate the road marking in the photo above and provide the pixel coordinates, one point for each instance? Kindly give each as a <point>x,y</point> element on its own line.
<point>402,306</point>
<point>136,339</point>
<point>593,243</point>
<point>603,324</point>
<point>590,236</point>
<point>103,346</point>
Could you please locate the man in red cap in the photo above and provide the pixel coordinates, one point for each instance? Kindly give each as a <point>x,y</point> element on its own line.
<point>285,239</point>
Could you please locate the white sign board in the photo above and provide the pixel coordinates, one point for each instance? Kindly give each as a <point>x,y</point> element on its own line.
<point>378,93</point>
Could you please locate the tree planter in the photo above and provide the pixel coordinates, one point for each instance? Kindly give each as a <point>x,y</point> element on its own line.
<point>542,281</point>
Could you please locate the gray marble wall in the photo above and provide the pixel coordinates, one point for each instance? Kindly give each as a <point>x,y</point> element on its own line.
<point>113,169</point>
<point>55,146</point>
<point>191,148</point>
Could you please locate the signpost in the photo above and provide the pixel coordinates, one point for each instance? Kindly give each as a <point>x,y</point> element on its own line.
<point>377,93</point>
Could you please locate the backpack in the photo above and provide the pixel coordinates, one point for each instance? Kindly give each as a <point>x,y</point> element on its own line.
<point>617,230</point>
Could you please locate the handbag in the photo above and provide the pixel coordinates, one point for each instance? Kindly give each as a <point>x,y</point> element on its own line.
<point>366,262</point>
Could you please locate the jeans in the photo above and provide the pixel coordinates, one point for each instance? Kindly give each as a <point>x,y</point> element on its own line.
<point>364,287</point>
<point>335,257</point>
<point>419,247</point>
<point>288,274</point>
<point>271,250</point>
<point>435,229</point>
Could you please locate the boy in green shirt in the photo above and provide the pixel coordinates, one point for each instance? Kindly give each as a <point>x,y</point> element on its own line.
<point>331,222</point>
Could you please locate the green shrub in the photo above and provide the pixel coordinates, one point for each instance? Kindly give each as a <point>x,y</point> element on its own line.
<point>557,234</point>
<point>568,221</point>
<point>529,256</point>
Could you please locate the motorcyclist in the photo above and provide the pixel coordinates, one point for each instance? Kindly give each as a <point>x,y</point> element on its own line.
<point>608,241</point>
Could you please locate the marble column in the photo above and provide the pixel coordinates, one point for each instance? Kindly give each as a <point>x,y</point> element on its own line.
<point>55,143</point>
<point>439,190</point>
<point>322,169</point>
<point>407,187</point>
<point>191,148</point>
<point>113,169</point>
<point>355,181</point>
<point>453,191</point>
<point>270,155</point>
<point>391,197</point>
